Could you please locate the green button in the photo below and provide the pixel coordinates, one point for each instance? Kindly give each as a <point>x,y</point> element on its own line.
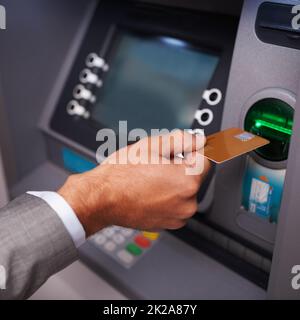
<point>133,249</point>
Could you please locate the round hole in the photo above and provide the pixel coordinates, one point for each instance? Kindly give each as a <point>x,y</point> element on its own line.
<point>204,116</point>
<point>213,96</point>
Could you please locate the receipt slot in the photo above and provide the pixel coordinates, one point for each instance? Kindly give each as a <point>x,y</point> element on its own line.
<point>263,183</point>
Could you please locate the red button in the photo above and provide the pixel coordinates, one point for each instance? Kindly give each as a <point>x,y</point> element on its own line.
<point>142,242</point>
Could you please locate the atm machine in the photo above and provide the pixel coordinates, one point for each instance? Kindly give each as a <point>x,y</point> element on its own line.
<point>188,64</point>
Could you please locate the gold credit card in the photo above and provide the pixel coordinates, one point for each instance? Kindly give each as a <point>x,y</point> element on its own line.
<point>231,143</point>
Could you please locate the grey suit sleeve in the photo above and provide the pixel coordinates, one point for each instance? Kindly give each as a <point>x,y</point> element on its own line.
<point>34,244</point>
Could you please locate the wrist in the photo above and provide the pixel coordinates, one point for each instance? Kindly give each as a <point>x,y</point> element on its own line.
<point>87,201</point>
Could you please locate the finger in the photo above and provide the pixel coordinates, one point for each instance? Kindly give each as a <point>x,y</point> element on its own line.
<point>196,164</point>
<point>178,142</point>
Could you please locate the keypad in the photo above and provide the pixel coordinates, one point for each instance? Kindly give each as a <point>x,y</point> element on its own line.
<point>124,245</point>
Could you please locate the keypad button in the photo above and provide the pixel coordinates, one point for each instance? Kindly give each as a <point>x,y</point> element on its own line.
<point>127,232</point>
<point>134,249</point>
<point>151,235</point>
<point>142,242</point>
<point>118,238</point>
<point>109,246</point>
<point>99,239</point>
<point>109,232</point>
<point>125,256</point>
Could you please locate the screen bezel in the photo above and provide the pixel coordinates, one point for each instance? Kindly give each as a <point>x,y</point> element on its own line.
<point>99,38</point>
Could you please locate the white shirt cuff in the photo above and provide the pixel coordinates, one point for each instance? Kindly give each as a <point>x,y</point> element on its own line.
<point>65,213</point>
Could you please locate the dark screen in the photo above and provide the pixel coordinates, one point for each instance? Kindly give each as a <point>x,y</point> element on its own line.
<point>153,83</point>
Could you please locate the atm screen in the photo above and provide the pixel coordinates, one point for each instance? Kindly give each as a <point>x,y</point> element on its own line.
<point>153,83</point>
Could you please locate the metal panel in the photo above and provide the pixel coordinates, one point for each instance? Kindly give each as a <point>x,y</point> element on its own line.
<point>287,251</point>
<point>256,67</point>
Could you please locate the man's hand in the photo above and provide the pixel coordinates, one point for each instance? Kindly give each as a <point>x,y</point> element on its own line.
<point>139,196</point>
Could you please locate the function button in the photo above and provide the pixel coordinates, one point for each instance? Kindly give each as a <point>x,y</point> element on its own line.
<point>151,235</point>
<point>118,238</point>
<point>212,97</point>
<point>142,241</point>
<point>204,117</point>
<point>109,246</point>
<point>125,256</point>
<point>75,109</point>
<point>88,77</point>
<point>94,61</point>
<point>80,92</point>
<point>134,249</point>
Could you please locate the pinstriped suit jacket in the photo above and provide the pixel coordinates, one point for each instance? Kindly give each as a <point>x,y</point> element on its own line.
<point>34,244</point>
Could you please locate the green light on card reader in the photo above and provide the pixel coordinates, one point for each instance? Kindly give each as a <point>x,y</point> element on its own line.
<point>271,119</point>
<point>262,123</point>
